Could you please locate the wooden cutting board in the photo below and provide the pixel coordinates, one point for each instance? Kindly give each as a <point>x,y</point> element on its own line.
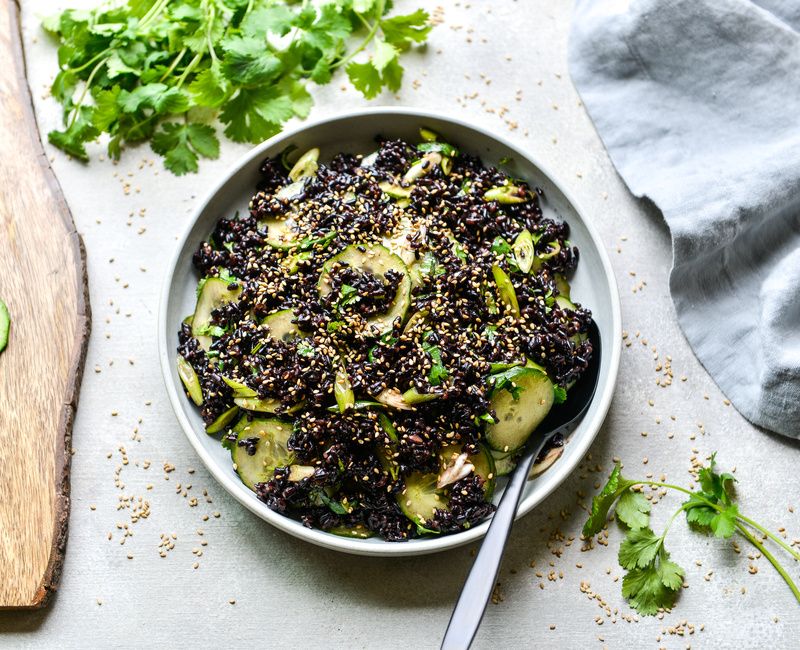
<point>43,282</point>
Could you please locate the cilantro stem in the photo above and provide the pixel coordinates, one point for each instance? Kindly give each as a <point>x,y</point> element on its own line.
<point>209,25</point>
<point>156,9</point>
<point>740,516</point>
<point>772,536</point>
<point>76,109</point>
<point>174,64</point>
<point>85,65</point>
<point>188,69</point>
<point>373,29</point>
<point>778,567</point>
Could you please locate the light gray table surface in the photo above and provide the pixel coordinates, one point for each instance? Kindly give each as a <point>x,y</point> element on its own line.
<point>288,593</point>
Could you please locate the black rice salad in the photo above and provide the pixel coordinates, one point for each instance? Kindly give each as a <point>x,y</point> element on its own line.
<point>376,340</point>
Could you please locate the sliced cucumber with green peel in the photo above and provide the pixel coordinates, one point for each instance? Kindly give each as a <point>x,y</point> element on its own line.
<point>421,497</point>
<point>504,464</point>
<point>282,233</point>
<point>358,531</point>
<point>483,462</point>
<point>299,473</point>
<point>282,326</point>
<point>190,380</point>
<point>376,260</point>
<point>271,449</point>
<point>223,420</point>
<point>518,418</point>
<point>214,293</point>
<point>399,241</point>
<point>306,166</point>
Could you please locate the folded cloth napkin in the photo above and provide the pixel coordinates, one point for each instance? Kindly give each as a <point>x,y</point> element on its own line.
<point>698,104</point>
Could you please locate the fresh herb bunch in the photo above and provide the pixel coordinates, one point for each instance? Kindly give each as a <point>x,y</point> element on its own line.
<point>652,580</point>
<point>163,70</point>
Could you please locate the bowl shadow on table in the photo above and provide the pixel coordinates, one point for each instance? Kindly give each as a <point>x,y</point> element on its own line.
<point>430,580</point>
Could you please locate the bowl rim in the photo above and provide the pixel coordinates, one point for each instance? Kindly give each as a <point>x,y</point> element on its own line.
<point>555,475</point>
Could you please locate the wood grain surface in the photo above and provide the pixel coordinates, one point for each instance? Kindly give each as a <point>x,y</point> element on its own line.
<point>43,283</point>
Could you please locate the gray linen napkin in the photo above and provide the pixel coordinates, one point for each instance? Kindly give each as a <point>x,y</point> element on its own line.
<point>698,104</point>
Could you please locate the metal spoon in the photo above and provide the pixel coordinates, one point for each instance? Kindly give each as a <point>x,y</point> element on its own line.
<point>480,582</point>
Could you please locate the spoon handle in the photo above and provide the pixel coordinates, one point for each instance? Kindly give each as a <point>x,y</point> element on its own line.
<point>480,582</point>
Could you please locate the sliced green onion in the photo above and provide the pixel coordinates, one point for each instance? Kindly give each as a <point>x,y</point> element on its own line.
<point>507,194</point>
<point>185,371</point>
<point>523,251</point>
<point>388,427</point>
<point>413,396</point>
<point>239,389</point>
<point>223,420</point>
<point>555,249</point>
<point>505,289</point>
<point>343,391</point>
<point>427,135</point>
<point>441,147</point>
<point>447,165</point>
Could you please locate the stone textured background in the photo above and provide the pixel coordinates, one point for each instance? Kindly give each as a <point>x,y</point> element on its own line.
<point>501,64</point>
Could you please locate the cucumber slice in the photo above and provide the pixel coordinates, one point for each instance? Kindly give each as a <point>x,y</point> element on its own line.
<point>223,420</point>
<point>519,418</point>
<point>306,166</point>
<point>394,190</point>
<point>421,497</point>
<point>358,531</point>
<point>377,260</point>
<point>298,473</point>
<point>504,464</point>
<point>190,380</point>
<point>282,326</point>
<point>291,191</point>
<point>562,284</point>
<point>271,449</point>
<point>483,462</point>
<point>399,240</point>
<point>214,294</point>
<point>282,234</point>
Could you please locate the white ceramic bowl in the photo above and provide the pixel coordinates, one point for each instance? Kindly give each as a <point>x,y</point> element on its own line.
<point>593,285</point>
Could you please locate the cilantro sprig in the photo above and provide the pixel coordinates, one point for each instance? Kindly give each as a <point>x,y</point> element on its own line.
<point>164,70</point>
<point>653,580</point>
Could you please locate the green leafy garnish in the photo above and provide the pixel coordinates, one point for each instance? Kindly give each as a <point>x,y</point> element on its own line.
<point>653,580</point>
<point>438,372</point>
<point>441,147</point>
<point>163,70</point>
<point>429,266</point>
<point>559,394</point>
<point>347,296</point>
<point>305,349</point>
<point>500,246</point>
